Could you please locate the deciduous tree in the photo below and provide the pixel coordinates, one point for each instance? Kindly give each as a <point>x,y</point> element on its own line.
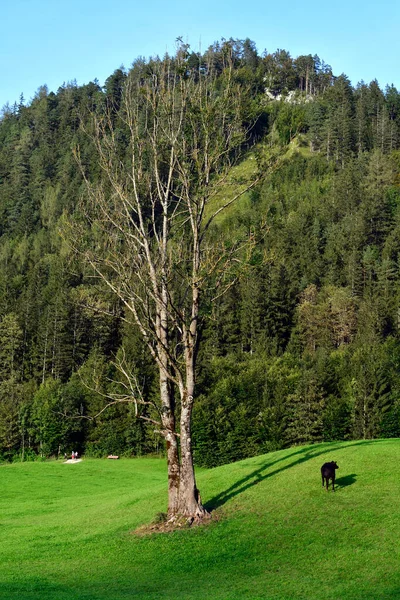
<point>144,230</point>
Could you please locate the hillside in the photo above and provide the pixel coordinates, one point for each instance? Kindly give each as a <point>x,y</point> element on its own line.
<point>66,530</point>
<point>303,346</point>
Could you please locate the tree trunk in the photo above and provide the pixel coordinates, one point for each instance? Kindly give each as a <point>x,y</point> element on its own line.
<point>190,504</point>
<point>169,432</point>
<point>173,474</point>
<point>23,443</point>
<point>173,466</point>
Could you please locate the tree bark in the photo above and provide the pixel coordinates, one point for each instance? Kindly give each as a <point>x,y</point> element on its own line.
<point>169,432</point>
<point>190,504</point>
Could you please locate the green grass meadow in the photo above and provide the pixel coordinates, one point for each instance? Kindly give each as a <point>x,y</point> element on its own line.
<point>66,530</point>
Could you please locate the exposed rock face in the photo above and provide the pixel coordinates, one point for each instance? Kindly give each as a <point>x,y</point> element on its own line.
<point>292,97</point>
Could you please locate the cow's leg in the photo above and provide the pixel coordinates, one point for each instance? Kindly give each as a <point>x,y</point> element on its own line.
<point>333,483</point>
<point>323,482</point>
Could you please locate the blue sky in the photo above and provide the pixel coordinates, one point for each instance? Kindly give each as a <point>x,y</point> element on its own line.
<point>51,42</point>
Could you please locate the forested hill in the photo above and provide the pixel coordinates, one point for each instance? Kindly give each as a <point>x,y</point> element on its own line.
<point>305,343</point>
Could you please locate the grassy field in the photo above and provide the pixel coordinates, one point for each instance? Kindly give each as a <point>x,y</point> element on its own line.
<point>66,530</point>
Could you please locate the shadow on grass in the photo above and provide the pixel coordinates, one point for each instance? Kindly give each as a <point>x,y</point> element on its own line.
<point>300,456</point>
<point>44,589</point>
<point>346,481</point>
<point>34,588</point>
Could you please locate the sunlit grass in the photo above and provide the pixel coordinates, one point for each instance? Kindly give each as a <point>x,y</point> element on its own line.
<point>245,173</point>
<point>66,530</point>
<point>238,180</point>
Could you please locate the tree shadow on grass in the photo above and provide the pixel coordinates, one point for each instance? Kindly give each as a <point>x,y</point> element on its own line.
<point>301,455</point>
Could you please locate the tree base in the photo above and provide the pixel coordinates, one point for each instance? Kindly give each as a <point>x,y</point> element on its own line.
<point>165,524</point>
<point>182,520</point>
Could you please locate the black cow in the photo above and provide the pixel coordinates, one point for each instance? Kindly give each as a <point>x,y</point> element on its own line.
<point>328,472</point>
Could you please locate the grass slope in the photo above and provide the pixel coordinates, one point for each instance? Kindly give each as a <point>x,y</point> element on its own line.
<point>241,176</point>
<point>65,529</point>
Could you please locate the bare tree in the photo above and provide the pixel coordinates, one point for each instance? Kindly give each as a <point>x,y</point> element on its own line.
<point>165,159</point>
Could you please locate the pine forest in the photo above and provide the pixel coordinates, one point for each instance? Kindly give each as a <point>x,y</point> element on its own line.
<point>293,177</point>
